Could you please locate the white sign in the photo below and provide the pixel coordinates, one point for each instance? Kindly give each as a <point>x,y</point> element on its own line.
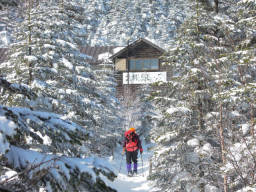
<point>144,77</point>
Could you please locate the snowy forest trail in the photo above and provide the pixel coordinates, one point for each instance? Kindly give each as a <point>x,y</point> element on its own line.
<point>138,183</point>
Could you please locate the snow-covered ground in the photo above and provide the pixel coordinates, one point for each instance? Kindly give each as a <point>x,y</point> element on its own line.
<point>138,183</point>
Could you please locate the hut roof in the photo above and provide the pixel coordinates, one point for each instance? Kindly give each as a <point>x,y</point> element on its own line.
<point>135,44</point>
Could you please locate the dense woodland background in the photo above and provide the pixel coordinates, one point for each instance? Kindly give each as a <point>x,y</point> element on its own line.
<point>58,116</point>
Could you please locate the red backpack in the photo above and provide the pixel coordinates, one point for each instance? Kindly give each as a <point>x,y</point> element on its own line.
<point>131,141</point>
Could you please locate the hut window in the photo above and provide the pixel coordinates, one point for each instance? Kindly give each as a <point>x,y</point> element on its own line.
<point>144,64</point>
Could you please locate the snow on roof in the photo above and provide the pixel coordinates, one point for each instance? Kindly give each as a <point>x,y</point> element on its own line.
<point>104,56</point>
<point>117,49</point>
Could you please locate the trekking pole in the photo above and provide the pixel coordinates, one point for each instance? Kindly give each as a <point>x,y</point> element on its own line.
<point>142,165</point>
<point>121,163</point>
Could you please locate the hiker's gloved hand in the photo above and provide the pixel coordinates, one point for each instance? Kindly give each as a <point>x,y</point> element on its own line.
<point>141,150</point>
<point>123,151</point>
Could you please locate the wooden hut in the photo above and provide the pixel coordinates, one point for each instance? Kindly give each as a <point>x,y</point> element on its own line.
<point>138,64</point>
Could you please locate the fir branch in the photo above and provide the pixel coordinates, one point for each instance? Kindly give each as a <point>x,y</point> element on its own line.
<point>28,169</point>
<point>17,88</point>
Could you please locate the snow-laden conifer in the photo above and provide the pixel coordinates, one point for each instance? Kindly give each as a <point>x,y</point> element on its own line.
<point>129,20</point>
<point>108,127</point>
<point>44,150</point>
<point>46,58</point>
<point>212,80</point>
<point>46,74</point>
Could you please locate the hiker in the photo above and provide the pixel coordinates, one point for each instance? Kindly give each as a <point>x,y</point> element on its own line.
<point>131,146</point>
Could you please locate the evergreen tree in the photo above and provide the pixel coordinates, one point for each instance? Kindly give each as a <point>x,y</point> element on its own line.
<point>46,58</point>
<point>46,61</point>
<point>108,127</point>
<point>42,150</point>
<point>208,70</point>
<point>236,94</point>
<point>129,20</point>
<point>146,112</point>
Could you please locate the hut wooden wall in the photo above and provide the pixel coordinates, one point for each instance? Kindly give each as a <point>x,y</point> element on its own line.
<point>123,89</point>
<point>141,50</point>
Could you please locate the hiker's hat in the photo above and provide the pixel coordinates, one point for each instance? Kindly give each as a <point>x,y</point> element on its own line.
<point>132,129</point>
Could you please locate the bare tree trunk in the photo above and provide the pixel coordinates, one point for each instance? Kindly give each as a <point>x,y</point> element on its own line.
<point>252,120</point>
<point>150,167</point>
<point>216,6</point>
<point>200,115</point>
<point>29,40</point>
<point>223,157</point>
<point>221,134</point>
<point>197,18</point>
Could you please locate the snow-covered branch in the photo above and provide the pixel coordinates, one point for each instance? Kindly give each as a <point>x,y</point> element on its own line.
<point>17,88</point>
